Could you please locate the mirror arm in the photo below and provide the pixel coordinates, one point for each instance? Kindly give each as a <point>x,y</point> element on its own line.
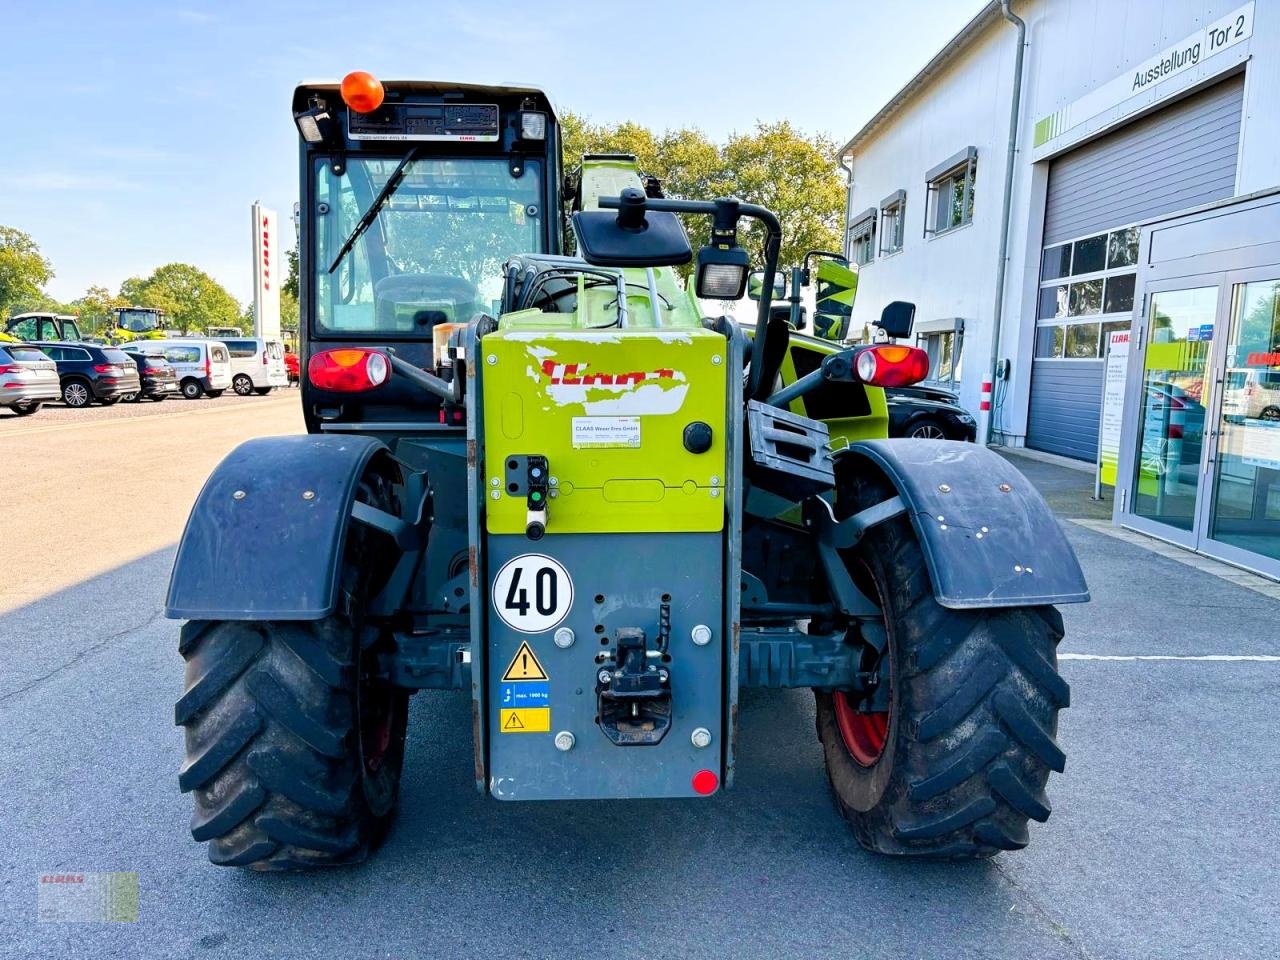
<point>835,368</point>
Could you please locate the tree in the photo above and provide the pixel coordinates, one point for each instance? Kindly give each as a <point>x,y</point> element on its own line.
<point>290,285</point>
<point>23,272</point>
<point>795,177</point>
<point>190,298</point>
<point>775,166</point>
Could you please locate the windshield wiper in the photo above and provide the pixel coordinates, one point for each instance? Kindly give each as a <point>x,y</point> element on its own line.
<point>388,189</point>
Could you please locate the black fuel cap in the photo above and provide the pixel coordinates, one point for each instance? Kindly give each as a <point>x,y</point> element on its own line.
<point>697,437</point>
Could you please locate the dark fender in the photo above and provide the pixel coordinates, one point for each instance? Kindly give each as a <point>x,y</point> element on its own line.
<point>989,539</point>
<point>265,536</point>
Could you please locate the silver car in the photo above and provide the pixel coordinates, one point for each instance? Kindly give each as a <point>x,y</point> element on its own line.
<point>28,378</point>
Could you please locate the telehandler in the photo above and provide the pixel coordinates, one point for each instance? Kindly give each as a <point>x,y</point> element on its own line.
<point>547,480</point>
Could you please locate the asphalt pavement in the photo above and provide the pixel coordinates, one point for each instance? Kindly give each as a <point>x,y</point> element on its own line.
<point>1162,842</point>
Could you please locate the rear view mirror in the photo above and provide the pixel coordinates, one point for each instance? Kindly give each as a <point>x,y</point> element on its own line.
<point>633,237</point>
<point>755,285</point>
<point>896,319</point>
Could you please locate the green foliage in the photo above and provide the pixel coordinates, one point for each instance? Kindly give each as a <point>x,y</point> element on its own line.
<point>191,299</point>
<point>23,272</point>
<point>291,280</point>
<point>775,166</point>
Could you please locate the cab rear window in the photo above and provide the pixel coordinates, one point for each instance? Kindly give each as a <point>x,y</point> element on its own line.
<point>220,354</point>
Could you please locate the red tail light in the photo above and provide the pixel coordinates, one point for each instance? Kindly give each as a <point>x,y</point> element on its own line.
<point>264,358</point>
<point>208,364</point>
<point>8,368</point>
<point>107,368</point>
<point>348,370</point>
<point>891,365</point>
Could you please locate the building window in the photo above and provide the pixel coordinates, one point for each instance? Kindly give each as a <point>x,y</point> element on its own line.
<point>893,210</point>
<point>862,237</point>
<point>1086,292</point>
<point>950,192</point>
<point>943,341</point>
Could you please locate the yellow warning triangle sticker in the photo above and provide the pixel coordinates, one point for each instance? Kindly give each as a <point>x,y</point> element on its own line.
<point>513,722</point>
<point>524,666</point>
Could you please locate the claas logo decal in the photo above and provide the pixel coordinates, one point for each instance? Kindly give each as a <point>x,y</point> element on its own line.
<point>574,374</point>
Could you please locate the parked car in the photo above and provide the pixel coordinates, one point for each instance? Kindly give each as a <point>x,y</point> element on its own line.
<point>203,367</point>
<point>928,413</point>
<point>1251,395</point>
<point>88,372</point>
<point>28,378</point>
<point>292,366</point>
<point>159,379</point>
<point>257,365</point>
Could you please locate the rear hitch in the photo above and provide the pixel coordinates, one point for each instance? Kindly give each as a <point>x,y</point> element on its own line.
<point>633,689</point>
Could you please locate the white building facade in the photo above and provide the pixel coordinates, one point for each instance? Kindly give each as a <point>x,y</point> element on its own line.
<point>1124,112</point>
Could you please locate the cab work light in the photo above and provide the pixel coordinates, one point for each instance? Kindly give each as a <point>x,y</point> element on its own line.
<point>892,365</point>
<point>533,125</point>
<point>722,272</point>
<point>348,369</point>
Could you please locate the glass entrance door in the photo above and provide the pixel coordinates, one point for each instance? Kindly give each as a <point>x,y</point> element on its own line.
<point>1246,461</point>
<point>1171,409</point>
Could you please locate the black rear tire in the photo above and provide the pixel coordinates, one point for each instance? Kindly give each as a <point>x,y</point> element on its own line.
<point>192,390</point>
<point>262,391</point>
<point>293,747</point>
<point>214,394</point>
<point>26,408</point>
<point>974,702</point>
<point>275,754</point>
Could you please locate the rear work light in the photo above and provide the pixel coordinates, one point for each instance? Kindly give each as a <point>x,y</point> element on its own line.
<point>891,365</point>
<point>348,369</point>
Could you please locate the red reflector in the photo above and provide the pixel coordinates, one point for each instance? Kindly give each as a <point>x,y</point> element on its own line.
<point>705,782</point>
<point>892,365</point>
<point>348,369</point>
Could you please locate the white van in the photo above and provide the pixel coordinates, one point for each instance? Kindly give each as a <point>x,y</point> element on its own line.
<point>257,365</point>
<point>203,366</point>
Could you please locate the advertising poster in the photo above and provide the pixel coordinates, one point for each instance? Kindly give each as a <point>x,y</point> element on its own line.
<point>1112,406</point>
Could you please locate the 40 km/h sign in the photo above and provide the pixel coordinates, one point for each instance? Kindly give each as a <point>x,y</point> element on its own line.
<point>532,593</point>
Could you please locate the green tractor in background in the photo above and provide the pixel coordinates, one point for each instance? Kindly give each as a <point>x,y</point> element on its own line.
<point>545,479</point>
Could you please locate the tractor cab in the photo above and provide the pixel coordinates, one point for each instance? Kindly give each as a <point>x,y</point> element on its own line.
<point>414,195</point>
<point>43,326</point>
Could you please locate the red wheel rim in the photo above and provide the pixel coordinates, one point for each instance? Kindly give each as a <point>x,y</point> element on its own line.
<point>864,734</point>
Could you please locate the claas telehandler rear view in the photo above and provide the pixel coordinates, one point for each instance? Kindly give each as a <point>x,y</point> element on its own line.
<point>548,480</point>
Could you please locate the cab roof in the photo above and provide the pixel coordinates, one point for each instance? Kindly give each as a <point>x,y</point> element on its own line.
<point>433,87</point>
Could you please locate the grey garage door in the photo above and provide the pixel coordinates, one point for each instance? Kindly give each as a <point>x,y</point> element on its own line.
<point>1176,158</point>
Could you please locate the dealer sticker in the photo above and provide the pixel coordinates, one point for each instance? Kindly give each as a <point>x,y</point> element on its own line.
<point>603,432</point>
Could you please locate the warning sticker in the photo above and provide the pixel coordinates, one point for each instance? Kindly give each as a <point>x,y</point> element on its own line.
<point>601,432</point>
<point>524,666</point>
<point>534,720</point>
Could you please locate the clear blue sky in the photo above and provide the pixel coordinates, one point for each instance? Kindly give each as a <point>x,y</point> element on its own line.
<point>137,134</point>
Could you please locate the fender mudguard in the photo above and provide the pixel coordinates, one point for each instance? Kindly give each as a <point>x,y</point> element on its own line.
<point>264,540</point>
<point>989,539</point>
